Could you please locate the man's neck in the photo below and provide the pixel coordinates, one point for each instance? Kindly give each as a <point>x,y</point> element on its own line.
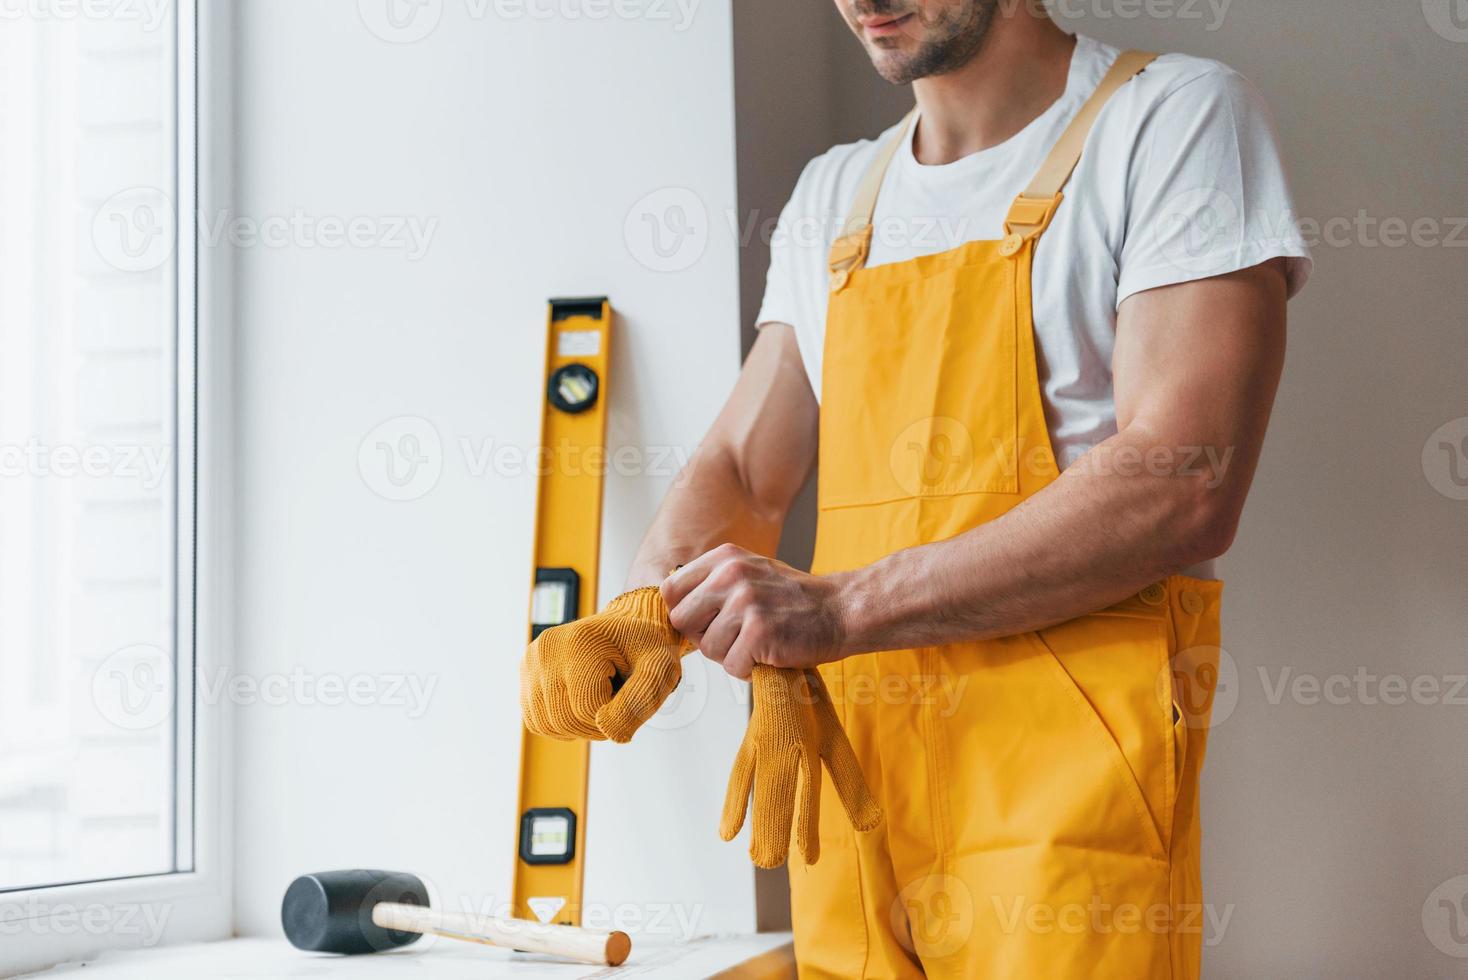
<point>1018,73</point>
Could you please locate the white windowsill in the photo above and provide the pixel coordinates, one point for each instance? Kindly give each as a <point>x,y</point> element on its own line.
<point>761,956</point>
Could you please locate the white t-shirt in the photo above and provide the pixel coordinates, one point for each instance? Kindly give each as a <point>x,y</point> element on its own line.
<point>1180,180</point>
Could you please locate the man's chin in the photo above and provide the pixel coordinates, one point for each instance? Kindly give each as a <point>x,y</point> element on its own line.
<point>893,64</point>
<point>897,70</point>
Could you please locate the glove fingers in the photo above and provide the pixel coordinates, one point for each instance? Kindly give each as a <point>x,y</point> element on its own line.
<point>841,761</point>
<point>544,705</point>
<point>774,809</point>
<point>807,830</point>
<point>736,798</point>
<point>847,777</point>
<point>567,716</point>
<point>820,701</point>
<point>588,691</point>
<point>650,683</point>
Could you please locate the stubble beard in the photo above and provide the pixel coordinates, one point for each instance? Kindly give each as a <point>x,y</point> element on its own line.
<point>954,46</point>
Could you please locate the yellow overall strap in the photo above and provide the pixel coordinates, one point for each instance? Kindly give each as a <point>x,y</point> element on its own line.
<point>1031,212</point>
<point>849,251</point>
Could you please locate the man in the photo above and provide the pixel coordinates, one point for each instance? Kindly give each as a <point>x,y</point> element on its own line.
<point>1037,427</point>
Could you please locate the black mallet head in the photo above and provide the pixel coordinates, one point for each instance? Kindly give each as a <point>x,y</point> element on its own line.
<point>331,911</point>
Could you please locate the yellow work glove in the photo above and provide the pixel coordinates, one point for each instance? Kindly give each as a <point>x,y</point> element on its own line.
<point>792,730</point>
<point>566,678</point>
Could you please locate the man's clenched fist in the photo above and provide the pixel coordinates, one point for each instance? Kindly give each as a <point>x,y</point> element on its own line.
<point>742,609</point>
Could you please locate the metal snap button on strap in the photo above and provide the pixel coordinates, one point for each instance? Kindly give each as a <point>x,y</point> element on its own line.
<point>1154,594</point>
<point>1192,603</point>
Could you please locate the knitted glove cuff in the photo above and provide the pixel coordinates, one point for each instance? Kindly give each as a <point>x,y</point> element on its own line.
<point>782,689</point>
<point>645,603</point>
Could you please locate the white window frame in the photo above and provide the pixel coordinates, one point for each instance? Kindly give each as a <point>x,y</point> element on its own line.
<point>43,926</point>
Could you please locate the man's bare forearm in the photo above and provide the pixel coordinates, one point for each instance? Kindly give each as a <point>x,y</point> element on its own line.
<point>1088,540</point>
<point>709,505</point>
<point>740,485</point>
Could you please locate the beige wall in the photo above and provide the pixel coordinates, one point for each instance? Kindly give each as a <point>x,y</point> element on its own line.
<point>1333,830</point>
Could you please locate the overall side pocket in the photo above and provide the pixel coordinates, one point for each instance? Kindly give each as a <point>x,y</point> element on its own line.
<point>1116,670</point>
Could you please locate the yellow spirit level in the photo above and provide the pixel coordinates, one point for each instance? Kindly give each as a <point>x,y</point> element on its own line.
<point>550,843</point>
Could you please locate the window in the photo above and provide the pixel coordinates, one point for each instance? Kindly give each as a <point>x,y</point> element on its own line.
<point>96,442</point>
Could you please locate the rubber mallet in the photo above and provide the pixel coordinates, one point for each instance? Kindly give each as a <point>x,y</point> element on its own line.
<point>370,911</point>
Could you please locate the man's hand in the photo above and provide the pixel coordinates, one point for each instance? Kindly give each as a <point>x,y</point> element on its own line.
<point>742,609</point>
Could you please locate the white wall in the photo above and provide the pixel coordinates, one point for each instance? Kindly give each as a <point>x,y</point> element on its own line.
<point>1332,830</point>
<point>528,141</point>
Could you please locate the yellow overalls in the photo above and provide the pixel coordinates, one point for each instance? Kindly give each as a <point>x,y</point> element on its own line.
<point>1040,790</point>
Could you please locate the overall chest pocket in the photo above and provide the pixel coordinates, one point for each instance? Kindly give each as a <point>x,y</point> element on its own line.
<point>919,385</point>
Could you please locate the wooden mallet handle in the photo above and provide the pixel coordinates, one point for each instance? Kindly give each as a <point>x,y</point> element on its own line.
<point>582,945</point>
